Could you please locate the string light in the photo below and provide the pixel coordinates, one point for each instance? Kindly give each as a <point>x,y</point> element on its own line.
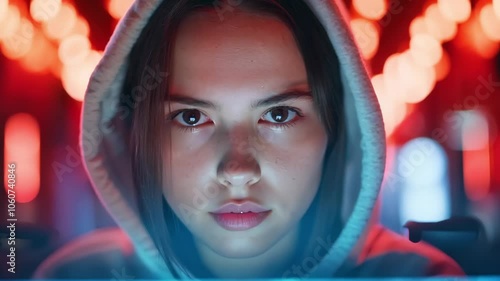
<point>366,37</point>
<point>44,10</point>
<point>370,9</point>
<point>10,23</point>
<point>439,26</point>
<point>455,10</point>
<point>62,23</point>
<point>20,42</point>
<point>496,7</point>
<point>118,8</point>
<point>426,50</point>
<point>490,23</point>
<point>74,49</point>
<point>4,8</point>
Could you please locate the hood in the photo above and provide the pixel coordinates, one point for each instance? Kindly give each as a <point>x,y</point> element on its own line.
<point>105,153</point>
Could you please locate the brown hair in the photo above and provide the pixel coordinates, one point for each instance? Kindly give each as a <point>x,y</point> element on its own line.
<point>153,51</point>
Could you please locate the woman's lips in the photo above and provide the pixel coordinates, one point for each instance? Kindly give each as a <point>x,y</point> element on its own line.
<point>240,221</point>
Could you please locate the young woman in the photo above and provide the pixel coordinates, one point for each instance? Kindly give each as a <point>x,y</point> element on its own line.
<point>236,139</point>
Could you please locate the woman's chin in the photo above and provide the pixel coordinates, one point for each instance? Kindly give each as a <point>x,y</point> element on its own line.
<point>240,246</point>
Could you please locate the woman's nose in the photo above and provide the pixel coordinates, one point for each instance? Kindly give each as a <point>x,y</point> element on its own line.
<point>239,170</point>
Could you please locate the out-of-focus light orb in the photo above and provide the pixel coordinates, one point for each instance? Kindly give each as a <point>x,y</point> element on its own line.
<point>81,27</point>
<point>393,111</point>
<point>4,8</point>
<point>496,7</point>
<point>490,23</point>
<point>40,58</point>
<point>474,37</point>
<point>62,23</point>
<point>455,10</point>
<point>418,80</point>
<point>18,44</point>
<point>75,78</point>
<point>425,49</point>
<point>366,36</point>
<point>443,67</point>
<point>44,10</point>
<point>418,26</point>
<point>407,81</point>
<point>74,49</point>
<point>371,9</point>
<point>118,8</point>
<point>22,147</point>
<point>438,25</point>
<point>10,23</point>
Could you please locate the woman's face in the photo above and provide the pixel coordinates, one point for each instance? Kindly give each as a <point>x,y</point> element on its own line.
<point>243,129</point>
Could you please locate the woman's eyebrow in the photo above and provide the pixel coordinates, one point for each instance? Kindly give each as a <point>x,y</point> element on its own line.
<point>286,96</point>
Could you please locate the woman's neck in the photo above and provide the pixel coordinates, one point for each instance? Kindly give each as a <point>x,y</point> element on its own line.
<point>271,264</point>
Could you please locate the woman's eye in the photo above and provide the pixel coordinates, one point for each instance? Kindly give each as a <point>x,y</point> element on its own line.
<point>280,115</point>
<point>190,117</point>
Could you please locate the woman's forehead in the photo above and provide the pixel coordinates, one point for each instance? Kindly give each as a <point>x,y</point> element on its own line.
<point>244,49</point>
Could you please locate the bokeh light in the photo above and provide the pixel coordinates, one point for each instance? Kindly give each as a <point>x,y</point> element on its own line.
<point>366,36</point>
<point>496,8</point>
<point>20,42</point>
<point>426,50</point>
<point>40,58</point>
<point>62,23</point>
<point>443,67</point>
<point>10,23</point>
<point>370,9</point>
<point>490,23</point>
<point>22,147</point>
<point>76,77</point>
<point>4,7</point>
<point>439,26</point>
<point>118,8</point>
<point>393,111</point>
<point>74,49</point>
<point>455,10</point>
<point>44,10</point>
<point>418,26</point>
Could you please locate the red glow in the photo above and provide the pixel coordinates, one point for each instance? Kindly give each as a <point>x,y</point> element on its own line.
<point>473,36</point>
<point>443,67</point>
<point>477,173</point>
<point>22,147</point>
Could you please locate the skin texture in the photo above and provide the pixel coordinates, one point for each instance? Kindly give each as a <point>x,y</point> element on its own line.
<point>236,152</point>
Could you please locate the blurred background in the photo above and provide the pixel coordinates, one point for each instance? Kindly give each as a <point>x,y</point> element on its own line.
<point>435,67</point>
